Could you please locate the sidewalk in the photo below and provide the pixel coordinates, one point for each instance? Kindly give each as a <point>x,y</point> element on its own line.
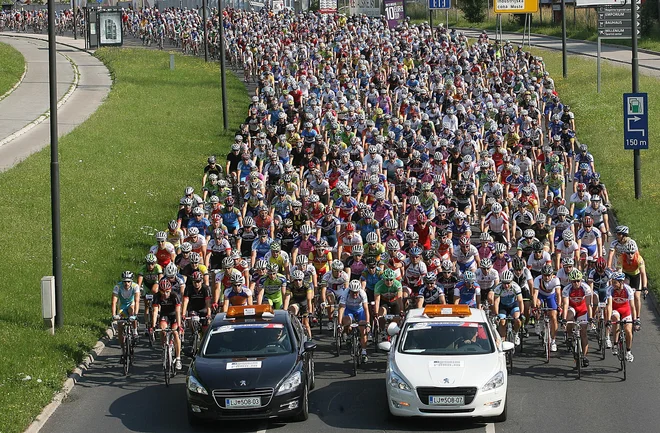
<point>649,63</point>
<point>83,82</point>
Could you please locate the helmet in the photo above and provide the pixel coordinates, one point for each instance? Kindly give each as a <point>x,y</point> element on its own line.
<point>562,210</point>
<point>211,159</point>
<point>161,236</point>
<point>228,262</point>
<point>275,247</point>
<point>568,236</point>
<point>186,247</point>
<point>497,208</point>
<point>630,247</point>
<point>500,248</point>
<point>485,263</point>
<point>248,221</point>
<point>372,238</point>
<point>301,260</point>
<point>601,264</point>
<point>484,237</point>
<point>173,225</point>
<point>618,276</point>
<point>197,276</point>
<point>416,251</point>
<point>355,286</point>
<point>195,258</point>
<point>575,275</point>
<point>391,224</point>
<point>189,190</point>
<point>464,240</point>
<point>297,275</point>
<point>529,233</point>
<point>587,221</point>
<point>170,270</point>
<point>150,258</point>
<point>236,278</point>
<point>388,274</point>
<point>537,247</point>
<point>164,285</point>
<point>337,265</point>
<point>518,263</point>
<point>567,261</point>
<point>469,277</point>
<point>581,187</point>
<point>414,200</point>
<point>127,276</point>
<point>393,244</point>
<point>622,230</point>
<point>430,277</point>
<point>547,270</point>
<point>507,276</point>
<point>198,211</point>
<point>193,231</point>
<point>305,229</point>
<point>273,267</point>
<point>357,250</point>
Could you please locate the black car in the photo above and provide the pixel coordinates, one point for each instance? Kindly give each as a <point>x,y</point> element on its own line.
<point>253,363</point>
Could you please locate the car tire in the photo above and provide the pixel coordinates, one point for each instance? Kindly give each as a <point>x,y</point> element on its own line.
<point>501,417</point>
<point>312,374</point>
<point>303,415</point>
<point>194,420</point>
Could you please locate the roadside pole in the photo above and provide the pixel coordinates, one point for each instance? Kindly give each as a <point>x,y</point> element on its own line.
<point>564,59</point>
<point>225,120</point>
<point>637,159</point>
<point>206,32</point>
<point>54,168</point>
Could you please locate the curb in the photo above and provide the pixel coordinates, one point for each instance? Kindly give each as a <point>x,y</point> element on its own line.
<point>46,40</point>
<point>46,115</point>
<point>69,383</point>
<point>18,83</point>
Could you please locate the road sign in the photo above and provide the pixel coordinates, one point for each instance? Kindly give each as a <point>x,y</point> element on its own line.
<point>515,6</point>
<point>616,22</point>
<point>612,23</point>
<point>439,4</point>
<point>635,121</point>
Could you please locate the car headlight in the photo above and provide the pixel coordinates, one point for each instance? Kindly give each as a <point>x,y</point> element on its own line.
<point>290,384</point>
<point>196,387</point>
<point>396,381</point>
<point>495,382</point>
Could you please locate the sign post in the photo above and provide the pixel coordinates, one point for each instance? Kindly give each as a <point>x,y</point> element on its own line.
<point>636,131</point>
<point>516,6</point>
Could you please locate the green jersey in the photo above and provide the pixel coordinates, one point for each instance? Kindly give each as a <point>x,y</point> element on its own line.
<point>388,293</point>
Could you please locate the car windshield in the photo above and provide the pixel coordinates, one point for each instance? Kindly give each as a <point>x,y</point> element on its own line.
<point>247,340</point>
<point>446,338</point>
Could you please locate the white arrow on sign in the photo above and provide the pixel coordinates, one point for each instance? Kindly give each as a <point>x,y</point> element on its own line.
<point>635,119</point>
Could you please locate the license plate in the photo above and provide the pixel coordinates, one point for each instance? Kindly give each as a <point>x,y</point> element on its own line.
<point>447,399</point>
<point>231,403</point>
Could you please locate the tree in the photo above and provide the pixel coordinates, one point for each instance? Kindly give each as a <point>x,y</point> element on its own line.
<point>474,10</point>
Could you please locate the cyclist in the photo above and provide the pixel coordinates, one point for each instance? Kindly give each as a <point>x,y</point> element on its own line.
<point>197,299</point>
<point>388,297</point>
<point>370,277</point>
<point>487,278</point>
<point>466,256</point>
<point>576,300</point>
<point>547,292</point>
<point>589,238</point>
<point>272,288</point>
<point>431,292</point>
<point>599,281</point>
<point>163,250</point>
<point>467,291</point>
<point>237,294</point>
<point>194,266</point>
<point>621,304</point>
<point>167,312</point>
<point>148,276</point>
<point>279,257</point>
<point>183,258</point>
<point>508,303</point>
<point>302,298</point>
<point>634,268</point>
<point>523,278</point>
<point>333,285</point>
<point>175,235</point>
<point>125,303</point>
<point>353,307</point>
<point>171,273</point>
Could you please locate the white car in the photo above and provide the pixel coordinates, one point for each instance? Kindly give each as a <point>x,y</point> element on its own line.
<point>447,361</point>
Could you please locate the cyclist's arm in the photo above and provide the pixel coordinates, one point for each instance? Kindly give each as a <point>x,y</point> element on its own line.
<point>114,304</point>
<point>154,316</point>
<point>521,303</point>
<point>286,295</point>
<point>376,303</point>
<point>184,306</point>
<point>496,304</point>
<point>365,307</point>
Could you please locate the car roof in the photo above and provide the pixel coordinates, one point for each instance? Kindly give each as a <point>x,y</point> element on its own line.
<point>417,315</point>
<point>280,316</point>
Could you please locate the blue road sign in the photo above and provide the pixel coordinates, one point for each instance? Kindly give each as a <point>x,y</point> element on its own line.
<point>439,4</point>
<point>635,121</point>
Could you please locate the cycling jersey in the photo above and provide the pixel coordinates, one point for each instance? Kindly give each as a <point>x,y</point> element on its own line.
<point>272,288</point>
<point>621,300</point>
<point>577,298</point>
<point>237,298</point>
<point>197,298</point>
<point>431,294</point>
<point>387,293</point>
<point>150,277</point>
<point>600,283</point>
<point>335,284</point>
<point>164,254</point>
<point>487,279</point>
<point>467,294</point>
<point>126,297</point>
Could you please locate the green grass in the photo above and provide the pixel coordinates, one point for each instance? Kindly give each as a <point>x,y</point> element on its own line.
<point>122,174</point>
<point>12,65</point>
<point>599,123</point>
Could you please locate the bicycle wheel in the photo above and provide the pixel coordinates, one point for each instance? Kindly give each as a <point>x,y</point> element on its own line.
<point>355,349</point>
<point>167,360</point>
<point>622,352</point>
<point>195,342</point>
<point>602,332</point>
<point>578,355</point>
<point>125,351</point>
<point>337,334</point>
<point>547,341</point>
<point>375,332</point>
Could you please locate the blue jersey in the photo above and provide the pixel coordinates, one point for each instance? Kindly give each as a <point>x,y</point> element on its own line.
<point>261,248</point>
<point>467,295</point>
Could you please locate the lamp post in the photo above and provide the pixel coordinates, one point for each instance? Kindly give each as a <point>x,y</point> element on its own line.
<point>206,35</point>
<point>225,120</point>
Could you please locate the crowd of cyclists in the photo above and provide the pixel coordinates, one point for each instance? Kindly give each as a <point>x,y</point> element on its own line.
<point>36,21</point>
<point>382,169</point>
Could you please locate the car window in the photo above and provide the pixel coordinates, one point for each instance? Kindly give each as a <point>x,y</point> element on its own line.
<point>248,339</point>
<point>446,338</point>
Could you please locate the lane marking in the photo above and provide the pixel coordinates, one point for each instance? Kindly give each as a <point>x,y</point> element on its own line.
<point>490,428</point>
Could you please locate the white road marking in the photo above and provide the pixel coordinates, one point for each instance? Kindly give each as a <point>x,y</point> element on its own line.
<point>490,428</point>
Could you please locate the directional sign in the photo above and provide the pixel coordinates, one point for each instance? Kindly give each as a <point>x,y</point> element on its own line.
<point>635,121</point>
<point>604,24</point>
<point>615,33</point>
<point>515,6</point>
<point>439,4</point>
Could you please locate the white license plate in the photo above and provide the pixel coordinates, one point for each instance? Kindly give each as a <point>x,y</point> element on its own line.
<point>447,399</point>
<point>231,403</point>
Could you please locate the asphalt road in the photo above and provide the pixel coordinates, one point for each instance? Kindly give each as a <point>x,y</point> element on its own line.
<point>542,397</point>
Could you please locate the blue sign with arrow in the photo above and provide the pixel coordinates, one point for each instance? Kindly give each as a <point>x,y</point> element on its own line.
<point>439,4</point>
<point>635,121</point>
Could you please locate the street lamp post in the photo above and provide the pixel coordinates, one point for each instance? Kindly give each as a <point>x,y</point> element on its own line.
<point>206,34</point>
<point>225,120</point>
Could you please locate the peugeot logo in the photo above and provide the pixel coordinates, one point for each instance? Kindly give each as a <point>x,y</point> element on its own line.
<point>242,383</point>
<point>446,380</point>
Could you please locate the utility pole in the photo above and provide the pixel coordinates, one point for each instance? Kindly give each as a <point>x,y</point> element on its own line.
<point>225,120</point>
<point>54,167</point>
<point>206,34</point>
<point>637,158</point>
<point>564,59</point>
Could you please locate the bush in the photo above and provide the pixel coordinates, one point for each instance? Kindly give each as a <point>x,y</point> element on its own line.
<point>474,10</point>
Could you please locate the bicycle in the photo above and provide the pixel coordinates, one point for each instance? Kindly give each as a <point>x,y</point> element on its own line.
<point>510,337</point>
<point>195,324</point>
<point>574,342</point>
<point>545,335</point>
<point>354,347</point>
<point>147,316</point>
<point>601,329</point>
<point>620,345</point>
<point>168,355</point>
<point>128,341</point>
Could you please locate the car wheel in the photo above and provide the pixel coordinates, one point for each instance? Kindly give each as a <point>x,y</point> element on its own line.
<point>194,420</point>
<point>502,416</point>
<point>304,410</point>
<point>312,374</point>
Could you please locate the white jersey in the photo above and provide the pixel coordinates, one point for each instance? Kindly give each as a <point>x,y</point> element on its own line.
<point>567,250</point>
<point>487,280</point>
<point>548,288</point>
<point>337,285</point>
<point>415,272</point>
<point>536,264</point>
<point>563,277</point>
<point>589,237</point>
<point>465,258</point>
<point>596,214</point>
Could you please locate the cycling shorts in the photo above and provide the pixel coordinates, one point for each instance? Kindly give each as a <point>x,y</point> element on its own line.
<point>303,307</point>
<point>635,281</point>
<point>392,307</point>
<point>356,315</point>
<point>582,318</point>
<point>169,319</point>
<point>465,266</point>
<point>275,301</point>
<point>124,309</point>
<point>507,310</point>
<point>601,294</point>
<point>549,300</point>
<point>628,318</point>
<point>590,249</point>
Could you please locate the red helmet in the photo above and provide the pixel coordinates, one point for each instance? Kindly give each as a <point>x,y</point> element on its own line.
<point>558,201</point>
<point>601,264</point>
<point>350,227</point>
<point>581,187</point>
<point>164,285</point>
<point>588,221</point>
<point>464,240</point>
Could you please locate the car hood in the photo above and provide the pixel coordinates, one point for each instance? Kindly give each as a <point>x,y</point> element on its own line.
<point>449,371</point>
<point>243,373</point>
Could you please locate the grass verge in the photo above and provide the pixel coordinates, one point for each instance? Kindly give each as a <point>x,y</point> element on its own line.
<point>122,174</point>
<point>12,65</point>
<point>599,123</point>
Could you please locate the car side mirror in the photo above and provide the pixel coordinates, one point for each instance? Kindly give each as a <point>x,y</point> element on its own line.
<point>393,329</point>
<point>508,346</point>
<point>385,346</point>
<point>309,346</point>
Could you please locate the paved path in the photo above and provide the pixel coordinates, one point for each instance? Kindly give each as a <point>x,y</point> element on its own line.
<point>649,63</point>
<point>19,136</point>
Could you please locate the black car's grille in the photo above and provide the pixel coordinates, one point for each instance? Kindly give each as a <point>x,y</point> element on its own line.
<point>424,392</point>
<point>219,395</point>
